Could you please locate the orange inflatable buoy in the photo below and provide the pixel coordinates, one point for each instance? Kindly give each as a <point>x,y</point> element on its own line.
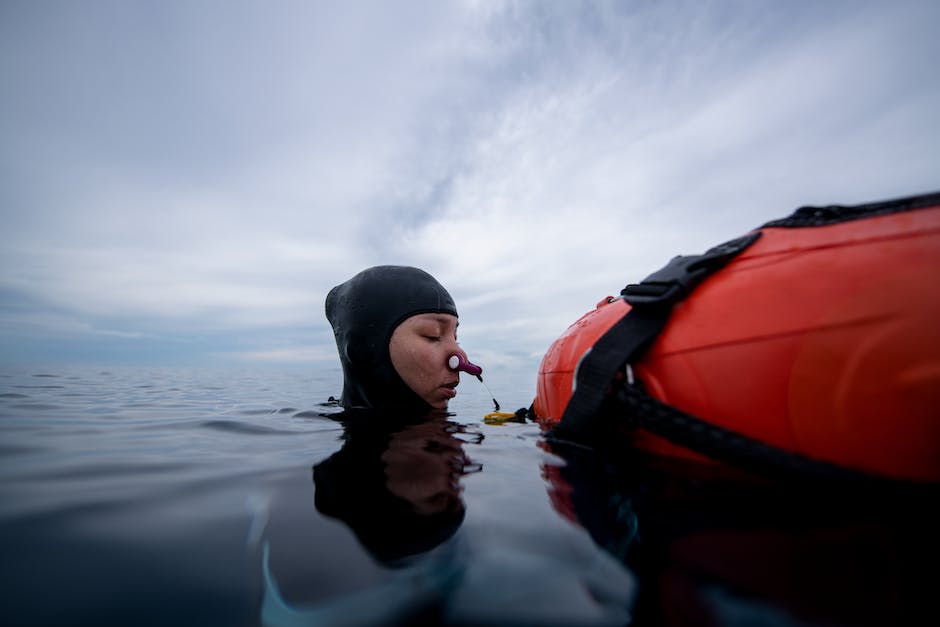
<point>820,338</point>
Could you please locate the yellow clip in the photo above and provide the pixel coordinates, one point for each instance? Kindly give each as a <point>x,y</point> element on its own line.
<point>497,417</point>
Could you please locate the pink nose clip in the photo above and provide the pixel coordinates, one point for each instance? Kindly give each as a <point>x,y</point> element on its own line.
<point>456,362</point>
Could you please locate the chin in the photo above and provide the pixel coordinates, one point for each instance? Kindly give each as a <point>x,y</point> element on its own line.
<point>438,403</point>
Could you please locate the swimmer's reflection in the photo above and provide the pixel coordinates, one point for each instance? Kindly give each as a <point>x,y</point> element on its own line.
<point>396,484</point>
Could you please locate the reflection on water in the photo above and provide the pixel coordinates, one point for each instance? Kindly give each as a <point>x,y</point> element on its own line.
<point>714,546</point>
<point>186,497</point>
<point>396,484</point>
<point>397,487</point>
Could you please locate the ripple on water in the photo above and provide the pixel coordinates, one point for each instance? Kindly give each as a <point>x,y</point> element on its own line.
<point>14,449</point>
<point>234,426</point>
<point>255,412</point>
<point>117,470</point>
<point>37,406</point>
<point>311,414</point>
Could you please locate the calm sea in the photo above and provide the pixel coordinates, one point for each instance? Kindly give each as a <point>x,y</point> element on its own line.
<point>211,497</point>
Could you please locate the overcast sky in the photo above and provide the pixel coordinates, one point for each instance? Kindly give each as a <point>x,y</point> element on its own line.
<point>181,182</point>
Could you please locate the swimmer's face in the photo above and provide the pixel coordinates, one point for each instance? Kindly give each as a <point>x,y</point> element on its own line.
<point>419,348</point>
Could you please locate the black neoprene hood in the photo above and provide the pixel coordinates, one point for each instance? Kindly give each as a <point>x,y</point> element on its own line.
<point>364,312</point>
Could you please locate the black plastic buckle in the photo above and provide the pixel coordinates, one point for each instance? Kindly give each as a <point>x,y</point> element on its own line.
<point>678,278</point>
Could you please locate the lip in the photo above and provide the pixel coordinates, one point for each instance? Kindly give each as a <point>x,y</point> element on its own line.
<point>450,388</point>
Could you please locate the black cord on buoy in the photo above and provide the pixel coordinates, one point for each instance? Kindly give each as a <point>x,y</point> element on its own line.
<point>490,393</point>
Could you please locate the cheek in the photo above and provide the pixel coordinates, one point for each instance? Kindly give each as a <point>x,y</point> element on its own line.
<point>424,363</point>
<point>416,363</point>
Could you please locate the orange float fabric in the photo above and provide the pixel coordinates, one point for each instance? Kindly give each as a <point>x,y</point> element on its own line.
<point>822,340</point>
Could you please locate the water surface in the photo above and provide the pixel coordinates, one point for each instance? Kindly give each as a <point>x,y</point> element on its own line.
<point>200,497</point>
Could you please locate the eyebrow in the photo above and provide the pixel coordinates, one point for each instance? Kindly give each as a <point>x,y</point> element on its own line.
<point>444,318</point>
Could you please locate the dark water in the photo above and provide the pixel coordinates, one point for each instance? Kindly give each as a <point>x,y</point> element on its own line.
<point>176,497</point>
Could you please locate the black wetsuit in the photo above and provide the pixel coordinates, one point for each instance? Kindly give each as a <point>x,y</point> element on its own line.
<point>364,312</point>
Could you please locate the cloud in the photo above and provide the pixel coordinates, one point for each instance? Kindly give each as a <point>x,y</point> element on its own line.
<point>600,168</point>
<point>210,170</point>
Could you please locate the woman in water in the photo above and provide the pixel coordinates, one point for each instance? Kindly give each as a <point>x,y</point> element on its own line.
<point>396,332</point>
<point>395,481</point>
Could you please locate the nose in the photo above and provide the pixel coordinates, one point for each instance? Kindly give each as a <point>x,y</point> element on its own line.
<point>459,361</point>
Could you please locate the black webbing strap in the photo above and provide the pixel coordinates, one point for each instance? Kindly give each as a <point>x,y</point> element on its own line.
<point>631,407</point>
<point>634,408</point>
<point>651,303</point>
<point>835,214</point>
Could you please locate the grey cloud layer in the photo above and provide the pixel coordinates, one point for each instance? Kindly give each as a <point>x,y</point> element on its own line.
<point>175,168</point>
